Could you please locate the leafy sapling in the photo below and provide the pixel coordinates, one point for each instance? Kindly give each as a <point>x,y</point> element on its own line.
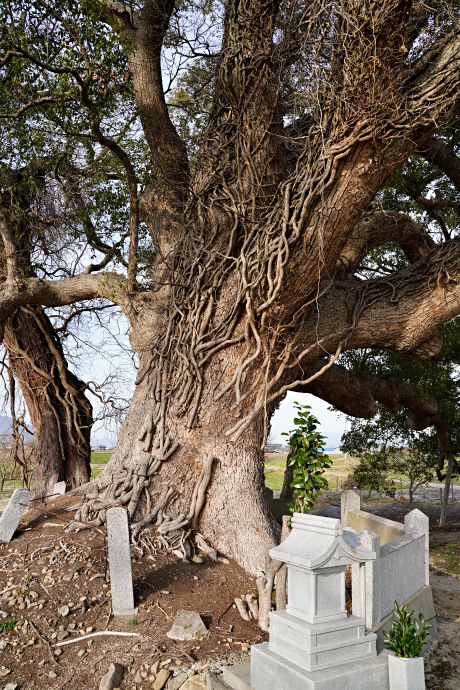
<point>308,458</point>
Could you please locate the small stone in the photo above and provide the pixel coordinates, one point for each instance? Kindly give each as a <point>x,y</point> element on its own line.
<point>197,559</point>
<point>52,674</point>
<point>57,652</point>
<point>33,595</point>
<point>112,677</point>
<point>89,630</point>
<point>194,683</point>
<point>4,671</point>
<point>63,611</point>
<point>138,678</point>
<point>62,635</point>
<point>161,679</point>
<point>11,686</point>
<point>177,682</point>
<point>165,662</point>
<point>187,626</point>
<point>154,667</point>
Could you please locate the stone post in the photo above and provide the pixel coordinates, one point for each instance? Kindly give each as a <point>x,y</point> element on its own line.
<point>365,582</point>
<point>121,577</point>
<point>350,501</point>
<point>416,521</point>
<point>13,513</point>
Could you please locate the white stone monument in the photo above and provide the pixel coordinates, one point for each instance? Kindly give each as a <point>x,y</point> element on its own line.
<point>315,644</point>
<point>121,577</point>
<point>13,513</point>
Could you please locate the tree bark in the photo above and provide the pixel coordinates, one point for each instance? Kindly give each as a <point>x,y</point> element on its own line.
<point>60,413</point>
<point>445,495</point>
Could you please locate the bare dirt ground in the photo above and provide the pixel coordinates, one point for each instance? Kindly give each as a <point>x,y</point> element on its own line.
<point>44,569</point>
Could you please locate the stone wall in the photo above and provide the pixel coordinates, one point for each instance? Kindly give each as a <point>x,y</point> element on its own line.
<point>401,569</point>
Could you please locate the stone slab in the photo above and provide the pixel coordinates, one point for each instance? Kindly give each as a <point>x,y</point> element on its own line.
<point>187,626</point>
<point>121,577</point>
<point>12,514</point>
<point>269,671</point>
<point>238,676</point>
<point>60,488</point>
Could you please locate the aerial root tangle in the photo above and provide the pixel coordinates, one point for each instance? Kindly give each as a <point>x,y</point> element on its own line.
<point>126,487</point>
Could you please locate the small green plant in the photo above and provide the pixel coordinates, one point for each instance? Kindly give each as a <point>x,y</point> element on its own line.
<point>308,459</point>
<point>7,626</point>
<point>406,637</point>
<point>133,621</point>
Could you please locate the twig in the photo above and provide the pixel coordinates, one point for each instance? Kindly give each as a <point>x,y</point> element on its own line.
<point>103,632</point>
<point>162,610</point>
<point>47,643</point>
<point>224,612</point>
<point>50,595</point>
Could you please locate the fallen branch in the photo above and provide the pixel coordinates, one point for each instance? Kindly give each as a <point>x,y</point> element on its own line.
<point>96,634</point>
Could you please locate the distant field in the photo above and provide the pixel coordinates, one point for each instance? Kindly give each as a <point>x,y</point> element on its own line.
<point>100,457</point>
<point>275,464</point>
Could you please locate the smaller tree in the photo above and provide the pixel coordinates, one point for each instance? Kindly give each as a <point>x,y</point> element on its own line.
<point>372,472</point>
<point>308,460</point>
<point>416,466</point>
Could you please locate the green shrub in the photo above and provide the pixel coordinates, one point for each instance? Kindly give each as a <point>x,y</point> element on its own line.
<point>406,637</point>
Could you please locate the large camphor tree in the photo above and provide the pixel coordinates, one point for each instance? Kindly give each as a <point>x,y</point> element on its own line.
<point>243,241</point>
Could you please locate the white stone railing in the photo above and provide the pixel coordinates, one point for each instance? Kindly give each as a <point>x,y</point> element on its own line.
<point>401,568</point>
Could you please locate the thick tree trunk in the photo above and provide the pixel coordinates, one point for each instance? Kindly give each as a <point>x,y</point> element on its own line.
<point>60,413</point>
<point>234,516</point>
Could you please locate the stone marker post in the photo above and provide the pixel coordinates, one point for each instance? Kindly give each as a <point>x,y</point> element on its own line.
<point>13,513</point>
<point>121,578</point>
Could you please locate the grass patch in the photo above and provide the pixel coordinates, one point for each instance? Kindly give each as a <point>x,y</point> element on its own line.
<point>7,626</point>
<point>274,479</point>
<point>101,457</point>
<point>446,557</point>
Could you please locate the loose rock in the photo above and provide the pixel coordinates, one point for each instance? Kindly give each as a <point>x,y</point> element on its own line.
<point>161,679</point>
<point>187,626</point>
<point>194,683</point>
<point>112,677</point>
<point>177,681</point>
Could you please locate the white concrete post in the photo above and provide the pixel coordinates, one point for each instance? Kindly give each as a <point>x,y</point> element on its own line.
<point>416,521</point>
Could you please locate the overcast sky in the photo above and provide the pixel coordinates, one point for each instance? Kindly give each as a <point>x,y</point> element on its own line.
<point>331,422</point>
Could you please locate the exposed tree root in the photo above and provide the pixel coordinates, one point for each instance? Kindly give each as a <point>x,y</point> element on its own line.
<point>126,488</point>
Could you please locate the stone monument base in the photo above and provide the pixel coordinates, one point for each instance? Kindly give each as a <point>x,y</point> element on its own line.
<point>320,646</point>
<point>270,671</point>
